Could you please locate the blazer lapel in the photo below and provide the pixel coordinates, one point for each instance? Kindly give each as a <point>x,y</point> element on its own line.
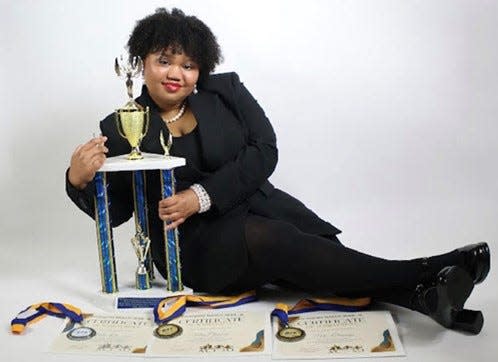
<point>205,107</point>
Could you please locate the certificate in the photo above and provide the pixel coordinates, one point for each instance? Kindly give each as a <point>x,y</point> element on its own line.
<point>337,335</point>
<point>208,333</point>
<point>105,334</point>
<point>212,334</point>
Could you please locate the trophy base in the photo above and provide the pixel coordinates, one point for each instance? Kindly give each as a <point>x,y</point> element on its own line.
<point>108,302</point>
<point>135,156</point>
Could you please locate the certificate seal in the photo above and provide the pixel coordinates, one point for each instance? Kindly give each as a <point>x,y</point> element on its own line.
<point>81,334</point>
<point>168,330</point>
<point>290,334</point>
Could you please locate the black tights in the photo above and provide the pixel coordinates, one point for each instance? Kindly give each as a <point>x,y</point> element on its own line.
<point>280,252</point>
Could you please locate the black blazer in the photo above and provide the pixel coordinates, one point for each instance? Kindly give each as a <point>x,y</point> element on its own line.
<point>239,153</point>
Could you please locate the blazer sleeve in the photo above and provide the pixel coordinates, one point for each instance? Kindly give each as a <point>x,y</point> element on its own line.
<point>239,178</point>
<point>119,188</point>
<point>82,198</point>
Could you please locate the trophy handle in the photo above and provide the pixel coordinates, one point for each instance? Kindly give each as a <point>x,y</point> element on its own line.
<point>116,118</point>
<point>147,121</point>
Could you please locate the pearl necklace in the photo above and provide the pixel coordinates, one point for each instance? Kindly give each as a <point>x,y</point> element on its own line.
<point>178,115</point>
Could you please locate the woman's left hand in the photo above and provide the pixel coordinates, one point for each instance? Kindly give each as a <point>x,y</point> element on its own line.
<point>177,208</point>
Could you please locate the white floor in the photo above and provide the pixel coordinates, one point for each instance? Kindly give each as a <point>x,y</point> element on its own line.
<point>69,274</point>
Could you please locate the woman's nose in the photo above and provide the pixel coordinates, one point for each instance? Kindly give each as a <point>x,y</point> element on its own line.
<point>173,72</point>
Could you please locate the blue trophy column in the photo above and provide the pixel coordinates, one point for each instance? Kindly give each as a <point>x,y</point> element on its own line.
<point>104,236</point>
<point>142,225</point>
<point>174,277</point>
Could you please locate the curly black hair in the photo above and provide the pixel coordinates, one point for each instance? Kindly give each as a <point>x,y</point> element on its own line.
<point>181,33</point>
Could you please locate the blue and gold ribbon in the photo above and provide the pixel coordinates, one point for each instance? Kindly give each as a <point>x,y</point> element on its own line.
<point>172,248</point>
<point>173,307</point>
<point>36,312</point>
<point>282,311</point>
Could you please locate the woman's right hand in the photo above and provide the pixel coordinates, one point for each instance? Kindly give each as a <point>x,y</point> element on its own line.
<point>86,160</point>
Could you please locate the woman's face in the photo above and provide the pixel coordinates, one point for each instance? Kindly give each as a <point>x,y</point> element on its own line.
<point>169,77</point>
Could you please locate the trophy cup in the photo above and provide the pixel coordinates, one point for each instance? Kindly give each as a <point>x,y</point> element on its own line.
<point>132,120</point>
<point>141,244</point>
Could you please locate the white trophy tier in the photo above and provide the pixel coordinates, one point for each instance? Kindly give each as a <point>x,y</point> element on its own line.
<point>151,161</point>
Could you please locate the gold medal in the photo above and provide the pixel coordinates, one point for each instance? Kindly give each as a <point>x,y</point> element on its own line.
<point>290,334</point>
<point>168,330</point>
<point>81,334</point>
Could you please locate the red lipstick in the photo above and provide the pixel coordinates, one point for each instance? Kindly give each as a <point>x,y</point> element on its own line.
<point>171,87</point>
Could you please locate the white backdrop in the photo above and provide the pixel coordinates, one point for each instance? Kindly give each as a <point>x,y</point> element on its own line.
<point>385,113</point>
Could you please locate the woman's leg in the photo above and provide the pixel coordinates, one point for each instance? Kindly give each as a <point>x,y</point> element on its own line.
<point>433,286</point>
<point>278,250</point>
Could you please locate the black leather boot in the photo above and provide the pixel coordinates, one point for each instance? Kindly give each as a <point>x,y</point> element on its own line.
<point>443,300</point>
<point>476,260</point>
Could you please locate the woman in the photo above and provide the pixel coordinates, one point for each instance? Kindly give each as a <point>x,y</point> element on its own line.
<point>238,231</point>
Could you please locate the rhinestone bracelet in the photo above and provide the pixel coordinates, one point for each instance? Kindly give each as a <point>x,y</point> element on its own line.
<point>203,196</point>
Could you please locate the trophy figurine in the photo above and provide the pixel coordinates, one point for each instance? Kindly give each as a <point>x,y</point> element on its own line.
<point>141,244</point>
<point>166,146</point>
<point>132,120</point>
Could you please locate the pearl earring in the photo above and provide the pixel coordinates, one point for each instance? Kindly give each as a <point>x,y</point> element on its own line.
<point>195,89</point>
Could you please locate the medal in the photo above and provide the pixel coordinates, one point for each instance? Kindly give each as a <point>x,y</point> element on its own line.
<point>81,334</point>
<point>293,334</point>
<point>290,334</point>
<point>173,307</point>
<point>168,330</point>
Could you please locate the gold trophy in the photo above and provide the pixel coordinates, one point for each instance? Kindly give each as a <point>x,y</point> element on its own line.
<point>132,120</point>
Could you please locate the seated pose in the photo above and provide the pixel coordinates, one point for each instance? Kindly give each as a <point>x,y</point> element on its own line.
<point>237,231</point>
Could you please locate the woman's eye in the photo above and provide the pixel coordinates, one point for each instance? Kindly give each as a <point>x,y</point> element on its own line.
<point>188,66</point>
<point>163,61</point>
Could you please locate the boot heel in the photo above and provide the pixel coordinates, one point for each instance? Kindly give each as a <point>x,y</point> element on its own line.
<point>467,320</point>
<point>446,299</point>
<point>454,286</point>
